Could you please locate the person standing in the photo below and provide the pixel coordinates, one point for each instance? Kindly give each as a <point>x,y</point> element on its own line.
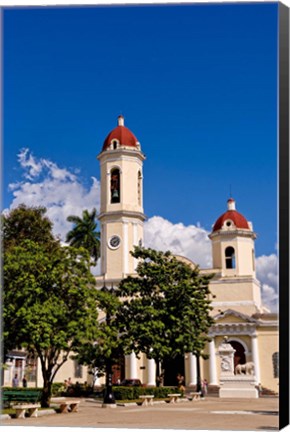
<point>15,381</point>
<point>204,387</point>
<point>24,381</point>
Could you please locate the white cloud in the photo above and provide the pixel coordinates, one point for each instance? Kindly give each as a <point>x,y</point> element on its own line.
<point>57,189</point>
<point>189,241</point>
<point>267,274</point>
<point>28,162</point>
<point>61,191</point>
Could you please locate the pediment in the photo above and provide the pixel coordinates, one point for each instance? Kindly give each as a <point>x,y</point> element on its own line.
<point>232,316</point>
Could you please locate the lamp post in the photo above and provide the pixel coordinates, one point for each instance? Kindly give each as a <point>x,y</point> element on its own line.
<point>109,398</point>
<point>198,379</point>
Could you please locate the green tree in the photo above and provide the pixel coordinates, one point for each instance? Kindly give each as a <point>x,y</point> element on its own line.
<point>49,296</point>
<point>24,223</point>
<point>109,347</point>
<point>166,307</point>
<point>18,225</point>
<point>84,233</point>
<point>49,304</point>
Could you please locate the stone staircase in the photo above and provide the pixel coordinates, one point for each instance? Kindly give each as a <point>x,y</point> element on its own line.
<point>213,390</point>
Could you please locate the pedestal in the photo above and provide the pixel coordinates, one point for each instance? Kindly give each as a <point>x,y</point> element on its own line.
<point>238,387</point>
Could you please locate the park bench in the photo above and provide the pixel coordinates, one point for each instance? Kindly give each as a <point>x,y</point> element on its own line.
<point>66,405</point>
<point>173,397</point>
<point>146,399</point>
<point>20,396</point>
<point>195,395</point>
<point>23,401</point>
<point>23,408</point>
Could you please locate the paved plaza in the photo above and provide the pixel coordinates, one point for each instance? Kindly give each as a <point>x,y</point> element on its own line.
<point>211,413</point>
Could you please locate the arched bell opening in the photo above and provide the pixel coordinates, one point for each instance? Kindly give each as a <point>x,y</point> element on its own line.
<point>115,186</point>
<point>230,257</point>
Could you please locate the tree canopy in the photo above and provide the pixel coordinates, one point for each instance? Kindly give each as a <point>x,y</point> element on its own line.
<point>166,307</point>
<point>108,347</point>
<point>84,233</point>
<point>23,223</point>
<point>49,298</point>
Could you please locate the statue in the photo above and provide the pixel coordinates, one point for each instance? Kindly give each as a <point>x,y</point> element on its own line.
<point>248,368</point>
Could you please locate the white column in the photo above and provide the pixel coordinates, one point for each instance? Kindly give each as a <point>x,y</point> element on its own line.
<point>151,372</point>
<point>255,357</point>
<point>125,248</point>
<point>212,363</point>
<point>135,242</point>
<point>191,379</point>
<point>132,366</point>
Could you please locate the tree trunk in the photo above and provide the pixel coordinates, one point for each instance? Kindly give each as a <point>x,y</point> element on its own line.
<point>46,394</point>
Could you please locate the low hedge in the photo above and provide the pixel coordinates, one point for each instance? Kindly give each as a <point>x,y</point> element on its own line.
<point>56,389</point>
<point>130,393</point>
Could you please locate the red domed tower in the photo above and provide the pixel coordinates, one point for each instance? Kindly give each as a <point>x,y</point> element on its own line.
<point>121,214</point>
<point>232,239</point>
<point>235,285</point>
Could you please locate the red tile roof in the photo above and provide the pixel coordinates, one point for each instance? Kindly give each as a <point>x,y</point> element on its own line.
<point>235,217</point>
<point>123,135</point>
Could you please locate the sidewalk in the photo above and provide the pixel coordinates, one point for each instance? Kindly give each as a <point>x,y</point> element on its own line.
<point>211,413</point>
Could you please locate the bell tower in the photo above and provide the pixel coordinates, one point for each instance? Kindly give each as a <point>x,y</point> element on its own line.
<point>121,214</point>
<point>233,243</point>
<point>233,256</point>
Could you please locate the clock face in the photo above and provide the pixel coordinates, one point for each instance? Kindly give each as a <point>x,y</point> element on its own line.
<point>114,242</point>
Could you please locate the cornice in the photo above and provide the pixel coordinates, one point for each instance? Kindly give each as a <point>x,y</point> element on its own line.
<point>234,233</point>
<point>122,213</point>
<point>116,154</point>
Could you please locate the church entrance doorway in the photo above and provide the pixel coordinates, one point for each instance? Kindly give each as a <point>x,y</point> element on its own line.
<point>118,371</point>
<point>171,368</point>
<point>239,356</point>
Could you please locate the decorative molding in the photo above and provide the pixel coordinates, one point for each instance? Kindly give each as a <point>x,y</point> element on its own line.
<point>120,213</point>
<point>231,312</point>
<point>233,233</point>
<point>120,154</point>
<point>230,329</point>
<point>235,279</point>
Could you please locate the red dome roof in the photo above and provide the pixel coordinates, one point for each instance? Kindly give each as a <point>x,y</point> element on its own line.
<point>122,134</point>
<point>231,214</point>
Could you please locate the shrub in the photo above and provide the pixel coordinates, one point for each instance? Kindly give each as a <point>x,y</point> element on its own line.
<point>131,393</point>
<point>57,389</point>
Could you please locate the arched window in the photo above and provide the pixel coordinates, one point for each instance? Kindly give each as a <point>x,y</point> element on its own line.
<point>275,359</point>
<point>230,257</point>
<point>139,186</point>
<point>115,186</point>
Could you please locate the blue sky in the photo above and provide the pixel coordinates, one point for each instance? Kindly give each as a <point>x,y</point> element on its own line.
<point>197,84</point>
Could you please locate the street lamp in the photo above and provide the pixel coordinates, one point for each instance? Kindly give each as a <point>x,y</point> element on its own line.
<point>198,378</point>
<point>109,398</point>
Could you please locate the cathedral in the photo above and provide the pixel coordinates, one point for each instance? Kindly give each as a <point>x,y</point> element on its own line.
<point>235,292</point>
<point>238,311</point>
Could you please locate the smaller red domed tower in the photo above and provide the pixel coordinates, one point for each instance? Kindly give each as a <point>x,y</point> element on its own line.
<point>235,285</point>
<point>232,239</point>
